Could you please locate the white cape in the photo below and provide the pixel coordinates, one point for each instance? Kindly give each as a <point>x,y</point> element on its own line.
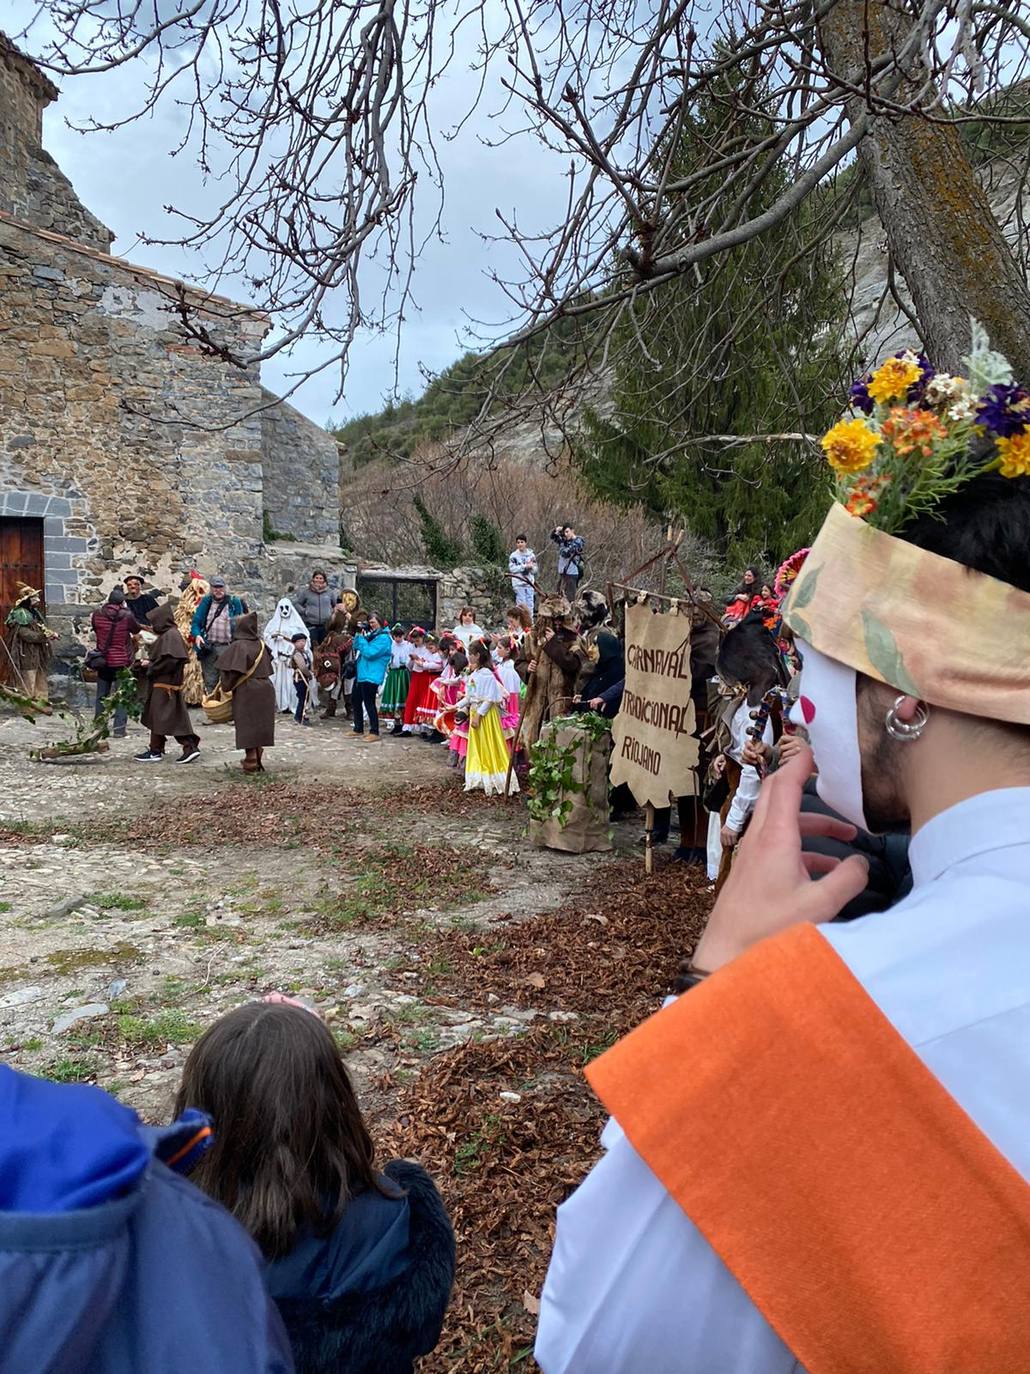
<point>278,635</point>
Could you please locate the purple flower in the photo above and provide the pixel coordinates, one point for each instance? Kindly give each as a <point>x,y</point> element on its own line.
<point>859,394</point>
<point>1004,410</point>
<point>917,390</point>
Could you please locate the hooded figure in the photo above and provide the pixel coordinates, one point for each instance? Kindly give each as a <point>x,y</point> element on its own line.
<point>557,655</point>
<point>246,672</point>
<point>279,632</point>
<point>164,711</point>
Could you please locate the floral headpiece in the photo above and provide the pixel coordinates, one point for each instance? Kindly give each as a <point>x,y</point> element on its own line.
<point>915,441</point>
<point>788,571</point>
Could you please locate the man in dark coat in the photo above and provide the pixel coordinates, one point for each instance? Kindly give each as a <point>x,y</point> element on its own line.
<point>246,672</point>
<point>164,712</point>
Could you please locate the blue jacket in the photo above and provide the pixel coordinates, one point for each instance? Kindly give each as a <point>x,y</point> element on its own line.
<point>109,1261</point>
<point>236,607</point>
<point>370,1297</point>
<point>373,653</point>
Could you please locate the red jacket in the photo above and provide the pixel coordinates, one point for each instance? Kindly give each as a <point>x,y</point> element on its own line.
<point>114,627</point>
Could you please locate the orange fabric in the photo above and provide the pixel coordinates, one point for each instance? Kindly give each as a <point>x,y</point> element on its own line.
<point>872,1223</point>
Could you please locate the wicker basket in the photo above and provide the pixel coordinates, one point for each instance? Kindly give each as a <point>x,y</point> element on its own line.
<point>218,708</point>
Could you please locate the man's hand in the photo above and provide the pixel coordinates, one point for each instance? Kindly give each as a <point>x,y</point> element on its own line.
<point>547,636</point>
<point>728,837</point>
<point>790,747</point>
<point>531,667</point>
<point>596,703</point>
<point>756,753</point>
<point>718,766</point>
<point>771,885</point>
<point>199,642</point>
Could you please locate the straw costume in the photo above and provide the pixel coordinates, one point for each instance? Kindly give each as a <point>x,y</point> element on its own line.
<point>817,1158</point>
<point>193,589</point>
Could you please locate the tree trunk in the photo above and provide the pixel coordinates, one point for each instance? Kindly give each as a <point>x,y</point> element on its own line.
<point>941,230</point>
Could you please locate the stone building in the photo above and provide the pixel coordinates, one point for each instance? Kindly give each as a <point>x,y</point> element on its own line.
<point>124,445</point>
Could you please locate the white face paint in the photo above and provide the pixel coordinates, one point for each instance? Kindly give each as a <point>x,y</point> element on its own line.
<point>827,708</point>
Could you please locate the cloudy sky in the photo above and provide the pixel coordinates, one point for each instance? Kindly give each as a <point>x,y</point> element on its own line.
<point>126,178</point>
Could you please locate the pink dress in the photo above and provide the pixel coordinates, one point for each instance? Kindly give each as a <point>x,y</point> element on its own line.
<point>509,679</point>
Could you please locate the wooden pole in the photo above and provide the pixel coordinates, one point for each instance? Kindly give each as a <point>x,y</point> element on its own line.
<point>649,837</point>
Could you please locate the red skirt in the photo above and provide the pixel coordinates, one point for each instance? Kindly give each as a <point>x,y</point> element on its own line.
<point>420,697</point>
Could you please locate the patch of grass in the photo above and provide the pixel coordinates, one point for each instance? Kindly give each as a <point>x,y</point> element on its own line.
<point>345,1039</point>
<point>32,1045</point>
<point>117,901</point>
<point>410,1012</point>
<point>5,907</point>
<point>471,1153</point>
<point>111,956</point>
<point>426,1041</point>
<point>168,1027</point>
<point>71,1068</point>
<point>190,919</point>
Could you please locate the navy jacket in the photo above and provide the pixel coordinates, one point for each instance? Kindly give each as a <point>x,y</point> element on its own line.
<point>111,1263</point>
<point>370,1298</point>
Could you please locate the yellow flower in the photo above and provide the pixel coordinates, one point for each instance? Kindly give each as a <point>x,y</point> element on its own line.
<point>1015,455</point>
<point>850,446</point>
<point>891,381</point>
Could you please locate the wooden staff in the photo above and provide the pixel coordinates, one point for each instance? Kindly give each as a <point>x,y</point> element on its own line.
<point>649,837</point>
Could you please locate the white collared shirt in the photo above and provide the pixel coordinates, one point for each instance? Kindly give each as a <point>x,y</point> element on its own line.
<point>634,1287</point>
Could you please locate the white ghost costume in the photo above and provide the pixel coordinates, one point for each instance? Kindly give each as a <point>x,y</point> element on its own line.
<point>278,635</point>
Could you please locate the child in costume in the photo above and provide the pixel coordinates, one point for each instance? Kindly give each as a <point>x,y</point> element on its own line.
<point>398,680</point>
<point>301,663</point>
<point>426,665</point>
<point>486,764</point>
<point>507,675</point>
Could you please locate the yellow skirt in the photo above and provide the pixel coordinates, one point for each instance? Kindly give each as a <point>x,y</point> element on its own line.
<point>486,764</point>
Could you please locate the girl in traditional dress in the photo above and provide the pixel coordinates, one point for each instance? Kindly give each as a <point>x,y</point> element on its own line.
<point>447,689</point>
<point>246,671</point>
<point>419,664</point>
<point>398,680</point>
<point>486,765</point>
<point>508,677</point>
<point>279,632</point>
<point>466,629</point>
<point>432,661</point>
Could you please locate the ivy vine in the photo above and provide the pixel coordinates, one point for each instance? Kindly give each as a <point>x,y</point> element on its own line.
<point>552,781</point>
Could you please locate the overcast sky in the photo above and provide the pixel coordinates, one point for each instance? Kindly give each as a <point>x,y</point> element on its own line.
<point>127,177</point>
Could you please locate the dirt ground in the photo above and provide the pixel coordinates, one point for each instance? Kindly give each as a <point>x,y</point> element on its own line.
<point>466,974</point>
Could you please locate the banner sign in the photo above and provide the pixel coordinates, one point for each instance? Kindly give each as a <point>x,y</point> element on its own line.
<point>654,744</point>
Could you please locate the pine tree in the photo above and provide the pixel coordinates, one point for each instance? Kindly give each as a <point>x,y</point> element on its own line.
<point>750,344</point>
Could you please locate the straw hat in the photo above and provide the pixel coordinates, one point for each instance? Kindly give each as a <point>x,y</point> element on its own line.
<point>25,591</point>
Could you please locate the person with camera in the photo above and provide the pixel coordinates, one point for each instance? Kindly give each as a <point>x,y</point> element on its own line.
<point>212,628</point>
<point>570,560</point>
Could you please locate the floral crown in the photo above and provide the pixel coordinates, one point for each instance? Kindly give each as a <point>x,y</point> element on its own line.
<point>916,439</point>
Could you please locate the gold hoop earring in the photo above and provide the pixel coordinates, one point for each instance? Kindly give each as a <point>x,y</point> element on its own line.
<point>905,731</point>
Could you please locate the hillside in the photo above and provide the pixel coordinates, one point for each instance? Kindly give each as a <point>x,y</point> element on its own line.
<point>455,398</point>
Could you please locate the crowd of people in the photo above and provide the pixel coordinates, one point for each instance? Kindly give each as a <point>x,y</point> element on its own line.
<point>817,1152</point>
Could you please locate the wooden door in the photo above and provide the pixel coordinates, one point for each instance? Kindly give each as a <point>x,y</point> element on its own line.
<point>21,560</point>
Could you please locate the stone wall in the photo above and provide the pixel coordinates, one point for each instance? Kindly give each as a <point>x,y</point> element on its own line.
<point>32,186</point>
<point>487,591</point>
<point>107,409</point>
<point>301,475</point>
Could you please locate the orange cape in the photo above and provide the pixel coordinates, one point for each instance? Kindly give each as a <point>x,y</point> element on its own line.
<point>871,1222</point>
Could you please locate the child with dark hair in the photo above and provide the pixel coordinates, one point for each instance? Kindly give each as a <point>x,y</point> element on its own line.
<point>302,675</point>
<point>360,1262</point>
<point>486,764</point>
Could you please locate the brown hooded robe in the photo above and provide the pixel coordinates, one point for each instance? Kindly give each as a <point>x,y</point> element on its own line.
<point>164,711</point>
<point>253,701</point>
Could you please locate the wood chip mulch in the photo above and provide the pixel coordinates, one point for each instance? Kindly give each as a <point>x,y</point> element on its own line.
<point>505,1163</point>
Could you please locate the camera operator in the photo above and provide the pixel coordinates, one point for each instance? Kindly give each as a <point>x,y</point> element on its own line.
<point>570,560</point>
